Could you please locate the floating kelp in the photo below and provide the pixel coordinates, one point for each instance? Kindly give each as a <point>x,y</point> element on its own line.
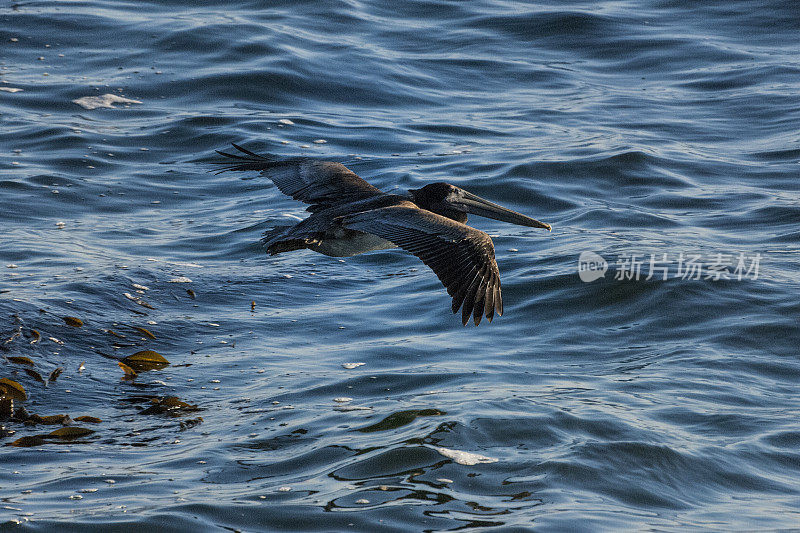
<point>192,422</point>
<point>11,389</point>
<point>118,345</point>
<point>35,336</point>
<point>21,360</point>
<point>27,442</point>
<point>114,333</point>
<point>139,301</point>
<point>6,408</point>
<point>399,419</point>
<point>129,372</point>
<point>65,434</point>
<point>349,408</point>
<point>35,375</point>
<point>14,336</point>
<point>70,432</point>
<point>90,419</point>
<point>20,414</point>
<point>146,360</point>
<point>73,321</point>
<point>144,332</point>
<point>35,419</point>
<point>54,374</point>
<point>170,405</point>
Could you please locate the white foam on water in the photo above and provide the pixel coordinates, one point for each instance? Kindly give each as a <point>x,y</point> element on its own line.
<point>465,458</point>
<point>106,100</point>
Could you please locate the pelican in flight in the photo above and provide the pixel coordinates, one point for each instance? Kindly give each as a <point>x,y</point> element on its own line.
<point>349,217</point>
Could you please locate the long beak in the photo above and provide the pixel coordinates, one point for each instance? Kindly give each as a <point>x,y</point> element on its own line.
<point>478,206</point>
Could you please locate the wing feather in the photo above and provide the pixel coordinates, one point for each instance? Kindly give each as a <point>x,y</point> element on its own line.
<point>319,183</point>
<point>489,302</point>
<point>462,257</point>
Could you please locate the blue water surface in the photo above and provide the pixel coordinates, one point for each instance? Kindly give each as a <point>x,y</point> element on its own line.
<point>646,399</point>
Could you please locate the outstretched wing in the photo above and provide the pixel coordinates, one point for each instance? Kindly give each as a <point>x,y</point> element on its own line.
<point>319,183</point>
<point>462,257</point>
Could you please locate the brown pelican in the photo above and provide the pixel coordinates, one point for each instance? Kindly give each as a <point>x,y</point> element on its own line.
<point>349,217</point>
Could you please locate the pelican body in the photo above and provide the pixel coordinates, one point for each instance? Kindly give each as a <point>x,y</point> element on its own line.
<point>349,217</point>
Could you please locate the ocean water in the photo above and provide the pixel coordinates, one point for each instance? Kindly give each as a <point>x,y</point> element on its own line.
<point>654,136</point>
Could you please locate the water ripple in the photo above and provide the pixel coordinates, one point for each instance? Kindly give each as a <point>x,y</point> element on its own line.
<point>617,404</point>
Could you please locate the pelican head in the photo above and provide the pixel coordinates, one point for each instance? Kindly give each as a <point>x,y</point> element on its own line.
<point>454,202</point>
